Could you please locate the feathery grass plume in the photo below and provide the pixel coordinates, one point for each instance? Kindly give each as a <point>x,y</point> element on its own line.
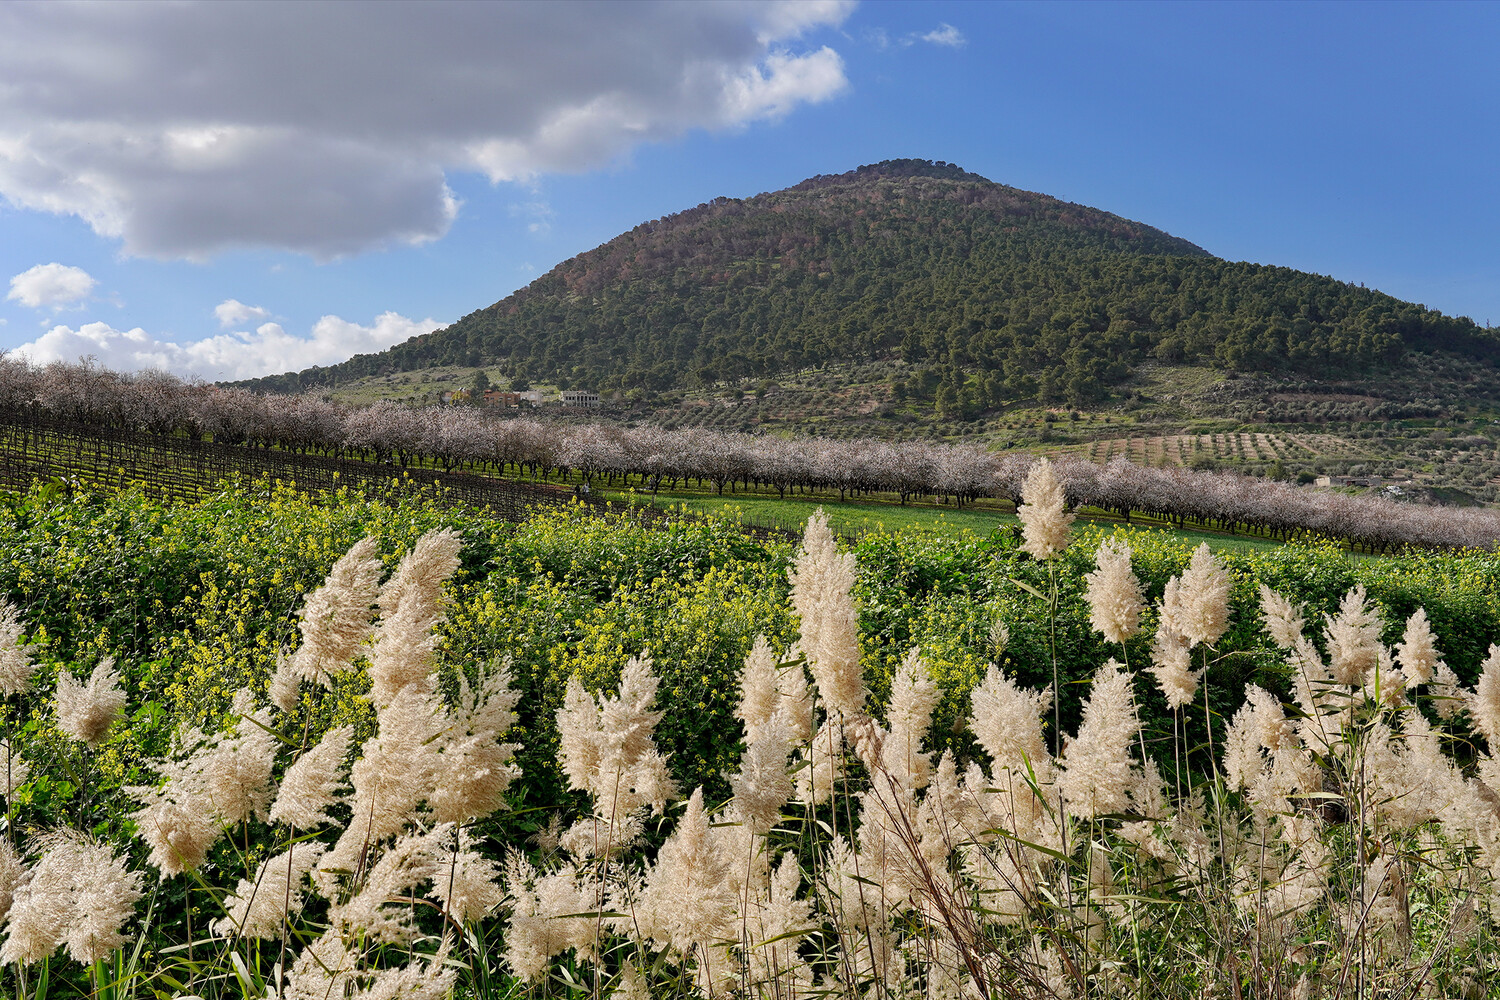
<point>1195,605</point>
<point>421,979</point>
<point>1417,651</point>
<point>236,769</point>
<point>86,712</point>
<point>1283,620</point>
<point>797,697</point>
<point>763,785</point>
<point>608,750</point>
<point>823,597</point>
<point>474,768</point>
<point>259,907</point>
<point>336,616</point>
<point>392,777</point>
<point>411,604</point>
<point>1446,693</point>
<point>12,872</point>
<point>466,885</point>
<point>759,697</point>
<point>549,915</point>
<point>1096,766</point>
<point>16,665</point>
<point>1484,703</point>
<point>79,894</point>
<point>311,784</point>
<point>179,830</point>
<point>13,770</point>
<point>1353,638</point>
<point>324,970</point>
<point>381,911</point>
<point>1113,593</point>
<point>822,764</point>
<point>914,695</point>
<point>688,899</point>
<point>1171,665</point>
<point>1007,722</point>
<point>1043,512</point>
<point>285,689</point>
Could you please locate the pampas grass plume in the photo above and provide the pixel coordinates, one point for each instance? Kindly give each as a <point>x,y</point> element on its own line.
<point>259,907</point>
<point>86,712</point>
<point>1171,665</point>
<point>1096,765</point>
<point>1113,593</point>
<point>1417,652</point>
<point>1007,721</point>
<point>336,616</point>
<point>823,596</point>
<point>1043,512</point>
<point>1283,620</point>
<point>1484,703</point>
<point>311,784</point>
<point>1353,638</point>
<point>13,769</point>
<point>1196,604</point>
<point>16,666</point>
<point>411,603</point>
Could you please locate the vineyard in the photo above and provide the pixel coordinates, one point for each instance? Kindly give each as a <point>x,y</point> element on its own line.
<point>469,441</point>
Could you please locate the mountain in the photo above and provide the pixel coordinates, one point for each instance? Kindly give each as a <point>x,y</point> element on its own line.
<point>1001,295</point>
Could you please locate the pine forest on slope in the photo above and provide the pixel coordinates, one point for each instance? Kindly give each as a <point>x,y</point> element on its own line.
<point>1006,296</point>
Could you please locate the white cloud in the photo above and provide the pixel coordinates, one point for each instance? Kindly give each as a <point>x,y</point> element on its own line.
<point>945,34</point>
<point>226,356</point>
<point>54,285</point>
<point>191,128</point>
<point>233,312</point>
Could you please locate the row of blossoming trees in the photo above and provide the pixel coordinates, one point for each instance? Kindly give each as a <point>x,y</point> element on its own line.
<point>1341,848</point>
<point>463,436</point>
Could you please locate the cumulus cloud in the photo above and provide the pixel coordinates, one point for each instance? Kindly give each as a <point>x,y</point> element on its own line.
<point>227,356</point>
<point>191,128</point>
<point>944,34</point>
<point>54,285</point>
<point>233,312</point>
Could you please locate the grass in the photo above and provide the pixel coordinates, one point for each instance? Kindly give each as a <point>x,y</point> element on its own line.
<point>857,517</point>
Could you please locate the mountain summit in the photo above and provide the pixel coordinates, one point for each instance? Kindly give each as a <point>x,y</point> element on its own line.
<point>1036,298</point>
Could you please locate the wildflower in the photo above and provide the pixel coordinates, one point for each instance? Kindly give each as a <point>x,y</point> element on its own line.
<point>87,711</point>
<point>1417,652</point>
<point>1196,604</point>
<point>1171,661</point>
<point>1043,512</point>
<point>1113,593</point>
<point>16,666</point>
<point>823,597</point>
<point>336,616</point>
<point>308,788</point>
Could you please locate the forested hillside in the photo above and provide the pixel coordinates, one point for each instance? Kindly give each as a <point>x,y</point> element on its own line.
<point>1009,296</point>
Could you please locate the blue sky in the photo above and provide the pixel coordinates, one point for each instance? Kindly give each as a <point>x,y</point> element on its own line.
<point>227,190</point>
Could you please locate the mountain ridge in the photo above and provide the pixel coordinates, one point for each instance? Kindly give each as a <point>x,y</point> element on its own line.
<point>1013,295</point>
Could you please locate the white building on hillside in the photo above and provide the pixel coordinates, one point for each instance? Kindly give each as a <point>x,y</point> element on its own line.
<point>579,397</point>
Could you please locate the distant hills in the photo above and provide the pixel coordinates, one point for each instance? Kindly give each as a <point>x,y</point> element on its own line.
<point>1002,296</point>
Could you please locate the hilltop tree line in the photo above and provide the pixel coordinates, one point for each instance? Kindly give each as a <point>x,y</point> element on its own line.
<point>652,457</point>
<point>1046,301</point>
